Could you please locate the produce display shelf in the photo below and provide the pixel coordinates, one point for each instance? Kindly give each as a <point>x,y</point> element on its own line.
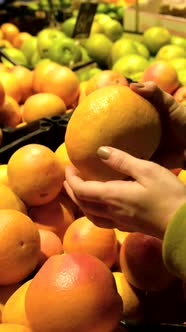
<point>135,326</point>
<point>47,131</point>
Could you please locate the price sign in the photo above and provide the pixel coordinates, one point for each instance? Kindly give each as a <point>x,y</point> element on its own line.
<point>84,20</point>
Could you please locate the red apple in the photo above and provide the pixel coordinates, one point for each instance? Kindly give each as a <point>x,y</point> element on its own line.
<point>141,261</point>
<point>163,74</point>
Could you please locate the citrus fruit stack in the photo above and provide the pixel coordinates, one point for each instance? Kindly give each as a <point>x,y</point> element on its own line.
<point>70,275</point>
<point>27,95</point>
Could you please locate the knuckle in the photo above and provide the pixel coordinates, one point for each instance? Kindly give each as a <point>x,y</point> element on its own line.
<point>118,163</point>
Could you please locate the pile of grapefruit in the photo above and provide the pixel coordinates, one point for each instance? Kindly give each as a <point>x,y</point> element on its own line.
<point>58,271</point>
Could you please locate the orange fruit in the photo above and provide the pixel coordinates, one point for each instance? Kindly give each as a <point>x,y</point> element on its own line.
<point>25,77</point>
<point>40,71</point>
<point>3,67</point>
<point>85,237</point>
<point>41,105</point>
<point>133,299</point>
<point>62,155</point>
<point>56,216</point>
<point>14,309</point>
<point>5,43</point>
<point>111,116</point>
<point>82,90</point>
<point>34,174</point>
<point>10,113</point>
<point>14,328</point>
<point>11,85</point>
<point>182,176</point>
<point>3,174</point>
<point>50,245</point>
<point>120,235</point>
<point>105,78</point>
<point>63,82</point>
<point>19,39</point>
<point>9,200</point>
<point>84,284</point>
<point>2,94</point>
<point>1,34</point>
<point>5,293</point>
<point>9,31</point>
<point>20,246</point>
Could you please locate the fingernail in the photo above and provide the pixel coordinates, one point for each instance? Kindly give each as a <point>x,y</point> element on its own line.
<point>138,85</point>
<point>103,152</point>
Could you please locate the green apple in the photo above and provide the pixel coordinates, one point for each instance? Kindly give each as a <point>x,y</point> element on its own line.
<point>16,55</point>
<point>113,29</point>
<point>65,52</point>
<point>102,18</point>
<point>96,27</point>
<point>84,53</point>
<point>122,47</point>
<point>155,37</point>
<point>182,76</point>
<point>131,66</point>
<point>102,8</point>
<point>142,49</point>
<point>35,59</point>
<point>67,27</point>
<point>113,15</point>
<point>93,71</point>
<point>29,47</point>
<point>33,5</point>
<point>84,74</point>
<point>178,40</point>
<point>99,48</point>
<point>170,51</point>
<point>120,12</point>
<point>178,63</point>
<point>47,38</point>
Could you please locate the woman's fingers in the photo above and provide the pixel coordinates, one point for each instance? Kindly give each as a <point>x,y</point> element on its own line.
<point>101,222</point>
<point>89,190</point>
<point>70,192</point>
<point>150,91</point>
<point>126,164</point>
<point>173,114</point>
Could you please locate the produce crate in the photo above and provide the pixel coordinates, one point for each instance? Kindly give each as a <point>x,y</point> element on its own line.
<point>47,131</point>
<point>144,20</point>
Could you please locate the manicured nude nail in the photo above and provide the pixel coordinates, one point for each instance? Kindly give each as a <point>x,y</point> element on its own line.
<point>138,85</point>
<point>103,152</point>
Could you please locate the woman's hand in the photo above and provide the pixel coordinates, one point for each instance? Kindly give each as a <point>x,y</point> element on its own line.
<point>173,115</point>
<point>144,204</point>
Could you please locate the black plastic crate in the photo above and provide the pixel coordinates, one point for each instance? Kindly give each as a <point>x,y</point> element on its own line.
<point>47,131</point>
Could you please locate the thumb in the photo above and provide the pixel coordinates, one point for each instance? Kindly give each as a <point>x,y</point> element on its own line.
<point>123,162</point>
<point>173,114</point>
<point>163,101</point>
<point>150,91</point>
